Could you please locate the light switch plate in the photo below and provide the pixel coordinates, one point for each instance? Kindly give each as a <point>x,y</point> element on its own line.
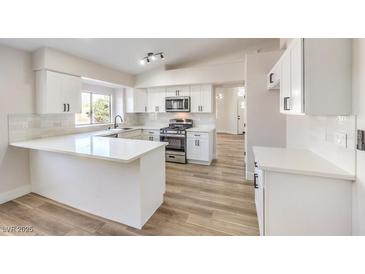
<point>340,139</point>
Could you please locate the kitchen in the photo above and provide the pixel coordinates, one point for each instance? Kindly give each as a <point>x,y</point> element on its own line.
<point>146,151</point>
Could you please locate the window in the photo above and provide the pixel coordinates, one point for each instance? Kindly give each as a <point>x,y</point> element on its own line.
<point>95,109</point>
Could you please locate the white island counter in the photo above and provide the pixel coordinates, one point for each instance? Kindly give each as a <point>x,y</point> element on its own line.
<point>119,179</point>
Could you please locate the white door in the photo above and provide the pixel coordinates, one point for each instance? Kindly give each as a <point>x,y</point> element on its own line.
<point>240,114</point>
<point>285,83</point>
<point>296,63</point>
<point>156,99</point>
<point>192,149</point>
<point>71,92</point>
<point>195,96</point>
<point>54,100</point>
<point>178,91</point>
<point>206,98</point>
<point>140,100</point>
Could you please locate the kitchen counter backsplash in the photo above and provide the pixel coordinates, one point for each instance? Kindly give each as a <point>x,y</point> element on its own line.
<point>32,126</point>
<point>199,119</point>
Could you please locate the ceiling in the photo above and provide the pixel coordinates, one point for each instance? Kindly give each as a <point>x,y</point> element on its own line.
<point>124,53</point>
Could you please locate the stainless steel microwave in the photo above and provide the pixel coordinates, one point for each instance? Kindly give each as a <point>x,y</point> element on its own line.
<point>177,104</point>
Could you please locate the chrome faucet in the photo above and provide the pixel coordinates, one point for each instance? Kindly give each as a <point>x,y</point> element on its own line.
<point>115,120</point>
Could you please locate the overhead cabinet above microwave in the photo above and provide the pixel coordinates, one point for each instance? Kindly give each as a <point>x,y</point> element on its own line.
<point>57,92</point>
<point>314,77</point>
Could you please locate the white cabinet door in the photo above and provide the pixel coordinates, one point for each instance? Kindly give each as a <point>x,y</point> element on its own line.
<point>201,98</point>
<point>198,146</point>
<point>177,91</point>
<point>296,64</point>
<point>136,100</point>
<point>259,198</point>
<point>57,92</point>
<point>206,98</point>
<point>156,99</point>
<point>71,92</point>
<point>285,83</point>
<point>195,98</point>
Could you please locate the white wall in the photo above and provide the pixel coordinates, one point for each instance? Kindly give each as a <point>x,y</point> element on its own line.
<point>215,74</point>
<point>226,110</point>
<point>51,59</point>
<point>265,126</point>
<point>358,213</point>
<point>16,96</point>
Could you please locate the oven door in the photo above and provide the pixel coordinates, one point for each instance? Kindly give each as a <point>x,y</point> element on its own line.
<point>177,104</point>
<point>175,142</point>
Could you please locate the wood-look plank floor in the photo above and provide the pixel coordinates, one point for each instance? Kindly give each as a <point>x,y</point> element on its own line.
<point>199,200</point>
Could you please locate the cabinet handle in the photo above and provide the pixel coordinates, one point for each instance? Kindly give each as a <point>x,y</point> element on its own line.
<point>64,107</point>
<point>68,107</point>
<point>145,109</point>
<point>198,143</point>
<point>201,107</point>
<point>255,181</point>
<point>270,78</point>
<point>286,107</point>
<point>256,164</point>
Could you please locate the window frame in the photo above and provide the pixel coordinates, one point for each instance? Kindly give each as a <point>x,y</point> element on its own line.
<point>91,93</point>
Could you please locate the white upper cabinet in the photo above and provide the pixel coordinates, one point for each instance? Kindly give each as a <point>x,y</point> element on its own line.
<point>57,92</point>
<point>316,77</point>
<point>178,91</point>
<point>156,99</point>
<point>136,100</point>
<point>201,98</point>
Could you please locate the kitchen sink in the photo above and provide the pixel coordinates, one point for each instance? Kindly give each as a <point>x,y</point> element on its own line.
<point>126,128</point>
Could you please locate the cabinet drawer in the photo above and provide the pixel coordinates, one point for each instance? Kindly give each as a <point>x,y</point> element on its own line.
<point>198,135</point>
<point>151,132</point>
<point>130,134</point>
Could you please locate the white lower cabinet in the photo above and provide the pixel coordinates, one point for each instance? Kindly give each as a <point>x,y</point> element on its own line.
<point>151,135</point>
<point>200,147</point>
<point>297,205</point>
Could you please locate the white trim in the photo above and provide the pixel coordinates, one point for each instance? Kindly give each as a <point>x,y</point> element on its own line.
<point>249,175</point>
<point>14,193</point>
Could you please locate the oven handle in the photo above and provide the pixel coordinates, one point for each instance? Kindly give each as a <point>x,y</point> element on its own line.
<point>172,135</point>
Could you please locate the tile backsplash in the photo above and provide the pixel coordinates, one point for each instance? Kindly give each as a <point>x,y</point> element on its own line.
<point>320,135</point>
<point>32,126</point>
<point>199,119</point>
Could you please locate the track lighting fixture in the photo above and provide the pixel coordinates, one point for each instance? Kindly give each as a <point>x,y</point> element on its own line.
<point>151,57</point>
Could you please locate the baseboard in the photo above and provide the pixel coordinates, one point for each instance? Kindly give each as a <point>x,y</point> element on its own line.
<point>249,176</point>
<point>14,193</point>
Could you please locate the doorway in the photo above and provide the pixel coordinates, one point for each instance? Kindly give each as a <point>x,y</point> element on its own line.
<point>230,110</point>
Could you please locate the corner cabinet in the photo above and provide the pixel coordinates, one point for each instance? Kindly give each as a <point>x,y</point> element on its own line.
<point>200,147</point>
<point>136,100</point>
<point>315,77</point>
<point>201,98</point>
<point>156,99</point>
<point>290,204</point>
<point>57,93</point>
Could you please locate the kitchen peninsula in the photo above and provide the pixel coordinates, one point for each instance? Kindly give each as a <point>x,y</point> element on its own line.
<point>115,178</point>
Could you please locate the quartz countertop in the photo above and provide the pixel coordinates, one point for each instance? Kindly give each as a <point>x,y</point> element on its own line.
<point>93,145</point>
<point>298,161</point>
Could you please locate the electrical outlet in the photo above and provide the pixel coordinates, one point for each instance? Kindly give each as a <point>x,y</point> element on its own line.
<point>340,139</point>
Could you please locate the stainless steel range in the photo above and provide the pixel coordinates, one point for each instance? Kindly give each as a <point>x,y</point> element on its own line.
<point>175,135</point>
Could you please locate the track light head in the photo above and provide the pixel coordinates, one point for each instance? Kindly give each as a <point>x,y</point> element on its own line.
<point>161,55</point>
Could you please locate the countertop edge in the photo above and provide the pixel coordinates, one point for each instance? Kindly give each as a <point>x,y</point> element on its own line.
<point>309,173</point>
<point>83,155</point>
